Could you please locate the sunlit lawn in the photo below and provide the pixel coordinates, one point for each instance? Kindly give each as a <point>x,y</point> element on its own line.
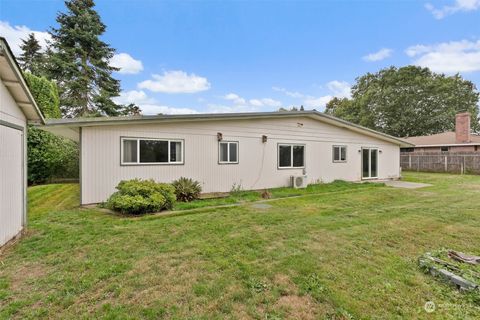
<point>349,251</point>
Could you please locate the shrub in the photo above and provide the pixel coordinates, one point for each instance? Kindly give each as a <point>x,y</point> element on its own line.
<point>141,196</point>
<point>186,189</point>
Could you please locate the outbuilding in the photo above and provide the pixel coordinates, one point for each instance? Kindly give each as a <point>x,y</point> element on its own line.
<point>224,151</point>
<point>17,109</point>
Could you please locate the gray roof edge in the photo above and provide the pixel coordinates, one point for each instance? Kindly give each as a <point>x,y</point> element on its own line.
<point>5,47</point>
<point>80,122</point>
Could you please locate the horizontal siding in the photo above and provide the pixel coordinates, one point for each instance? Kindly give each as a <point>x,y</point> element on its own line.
<point>257,167</point>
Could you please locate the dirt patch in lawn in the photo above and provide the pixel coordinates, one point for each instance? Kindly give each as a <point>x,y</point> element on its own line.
<point>23,278</point>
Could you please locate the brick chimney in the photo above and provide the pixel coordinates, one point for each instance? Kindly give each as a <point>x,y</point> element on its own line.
<point>462,127</point>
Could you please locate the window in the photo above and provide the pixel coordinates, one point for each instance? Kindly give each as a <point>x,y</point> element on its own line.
<point>339,153</point>
<point>151,151</point>
<point>407,149</point>
<point>228,152</point>
<point>444,149</point>
<point>291,156</point>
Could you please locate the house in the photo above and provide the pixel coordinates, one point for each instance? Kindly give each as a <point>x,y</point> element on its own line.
<point>247,150</point>
<point>460,140</point>
<point>17,108</point>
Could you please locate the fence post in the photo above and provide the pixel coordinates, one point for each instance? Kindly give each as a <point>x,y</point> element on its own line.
<point>463,164</point>
<point>410,162</point>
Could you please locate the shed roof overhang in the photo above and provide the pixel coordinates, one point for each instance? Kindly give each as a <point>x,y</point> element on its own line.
<point>12,78</point>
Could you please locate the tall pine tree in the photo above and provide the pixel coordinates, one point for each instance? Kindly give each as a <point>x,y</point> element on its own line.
<point>80,63</point>
<point>31,58</point>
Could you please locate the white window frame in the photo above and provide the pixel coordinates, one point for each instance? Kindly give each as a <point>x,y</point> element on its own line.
<point>138,163</point>
<point>339,153</point>
<point>228,152</point>
<point>291,145</point>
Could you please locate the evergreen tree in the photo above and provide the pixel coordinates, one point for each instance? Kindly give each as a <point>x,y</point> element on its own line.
<point>31,58</point>
<point>79,62</point>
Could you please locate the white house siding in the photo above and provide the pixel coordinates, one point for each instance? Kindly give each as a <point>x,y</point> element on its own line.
<point>257,168</point>
<point>12,166</point>
<point>9,111</point>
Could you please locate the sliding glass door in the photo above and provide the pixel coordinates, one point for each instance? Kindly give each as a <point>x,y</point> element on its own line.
<point>369,163</point>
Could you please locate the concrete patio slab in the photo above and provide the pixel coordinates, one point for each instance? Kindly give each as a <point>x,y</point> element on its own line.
<point>405,184</point>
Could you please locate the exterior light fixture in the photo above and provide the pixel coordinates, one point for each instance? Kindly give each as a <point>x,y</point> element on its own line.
<point>219,136</point>
<point>264,138</point>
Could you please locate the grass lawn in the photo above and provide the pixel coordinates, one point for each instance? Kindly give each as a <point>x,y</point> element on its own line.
<point>349,251</point>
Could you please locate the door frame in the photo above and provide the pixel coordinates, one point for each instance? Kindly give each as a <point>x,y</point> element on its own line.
<point>369,163</point>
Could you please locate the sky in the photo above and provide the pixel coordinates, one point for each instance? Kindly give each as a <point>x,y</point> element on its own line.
<point>239,56</point>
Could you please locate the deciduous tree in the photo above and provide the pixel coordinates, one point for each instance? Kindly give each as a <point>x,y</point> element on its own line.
<point>408,101</point>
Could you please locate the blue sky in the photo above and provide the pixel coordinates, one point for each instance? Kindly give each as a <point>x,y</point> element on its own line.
<point>235,56</point>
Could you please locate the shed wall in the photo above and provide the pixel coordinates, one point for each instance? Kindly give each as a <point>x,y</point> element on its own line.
<point>257,168</point>
<point>12,167</point>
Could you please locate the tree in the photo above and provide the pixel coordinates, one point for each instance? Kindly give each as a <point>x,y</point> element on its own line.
<point>31,58</point>
<point>131,110</point>
<point>408,101</point>
<point>79,62</point>
<point>282,109</point>
<point>49,156</point>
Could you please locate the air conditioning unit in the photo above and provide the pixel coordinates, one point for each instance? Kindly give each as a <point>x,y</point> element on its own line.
<point>298,182</point>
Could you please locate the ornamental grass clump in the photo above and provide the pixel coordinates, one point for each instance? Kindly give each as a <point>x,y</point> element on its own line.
<point>186,189</point>
<point>141,196</point>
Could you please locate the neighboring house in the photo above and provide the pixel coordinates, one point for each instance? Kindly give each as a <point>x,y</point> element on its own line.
<point>247,150</point>
<point>17,107</point>
<point>460,140</point>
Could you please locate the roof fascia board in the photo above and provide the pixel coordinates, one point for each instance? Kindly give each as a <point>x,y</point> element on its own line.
<point>7,52</point>
<point>87,122</point>
<point>447,145</point>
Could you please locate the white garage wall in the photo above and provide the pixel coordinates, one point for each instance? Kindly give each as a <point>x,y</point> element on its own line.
<point>12,178</point>
<point>257,168</point>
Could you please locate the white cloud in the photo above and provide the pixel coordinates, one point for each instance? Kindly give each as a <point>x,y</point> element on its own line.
<point>148,104</point>
<point>379,55</point>
<point>447,57</point>
<point>457,6</point>
<point>319,102</point>
<point>238,101</point>
<point>15,35</point>
<point>339,89</point>
<point>235,98</point>
<point>216,108</point>
<point>133,96</point>
<point>126,63</point>
<point>151,109</point>
<point>292,94</point>
<point>176,82</point>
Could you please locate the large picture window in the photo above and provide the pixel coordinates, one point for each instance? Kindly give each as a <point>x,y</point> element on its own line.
<point>151,151</point>
<point>228,152</point>
<point>339,153</point>
<point>291,155</point>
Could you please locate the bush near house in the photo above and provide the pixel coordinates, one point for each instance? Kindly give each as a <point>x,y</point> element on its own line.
<point>186,189</point>
<point>141,196</point>
<point>49,157</point>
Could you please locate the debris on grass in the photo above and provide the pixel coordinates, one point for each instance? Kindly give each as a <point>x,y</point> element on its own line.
<point>462,257</point>
<point>452,267</point>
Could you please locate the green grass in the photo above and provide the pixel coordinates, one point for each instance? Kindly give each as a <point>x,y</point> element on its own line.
<point>342,251</point>
<point>239,197</point>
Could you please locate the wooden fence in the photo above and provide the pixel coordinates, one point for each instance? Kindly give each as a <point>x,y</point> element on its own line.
<point>441,162</point>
